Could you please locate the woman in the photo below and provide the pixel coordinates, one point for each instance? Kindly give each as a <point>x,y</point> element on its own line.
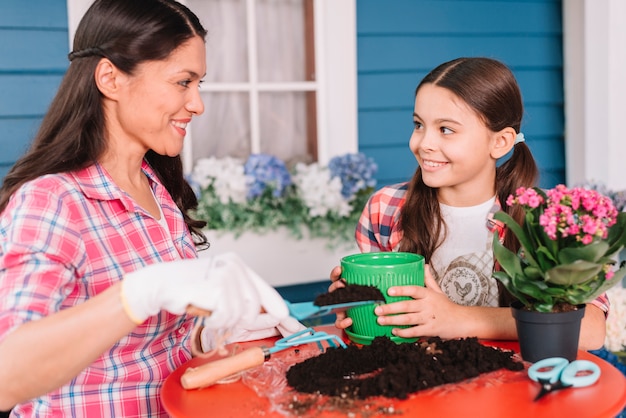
<point>98,261</point>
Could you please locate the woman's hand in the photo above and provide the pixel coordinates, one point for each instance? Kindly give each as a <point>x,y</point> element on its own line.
<point>221,288</point>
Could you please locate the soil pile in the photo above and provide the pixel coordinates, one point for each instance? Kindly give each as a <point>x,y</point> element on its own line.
<point>350,293</point>
<point>392,370</point>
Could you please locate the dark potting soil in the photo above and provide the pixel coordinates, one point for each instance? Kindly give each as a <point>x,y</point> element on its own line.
<point>392,370</point>
<point>350,293</point>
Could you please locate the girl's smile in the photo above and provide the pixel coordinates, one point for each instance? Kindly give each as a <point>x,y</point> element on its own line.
<point>430,165</point>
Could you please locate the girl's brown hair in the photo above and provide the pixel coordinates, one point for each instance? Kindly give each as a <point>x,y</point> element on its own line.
<point>72,134</point>
<point>490,89</point>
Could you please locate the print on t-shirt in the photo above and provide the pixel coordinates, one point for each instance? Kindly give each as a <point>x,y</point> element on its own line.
<point>467,280</point>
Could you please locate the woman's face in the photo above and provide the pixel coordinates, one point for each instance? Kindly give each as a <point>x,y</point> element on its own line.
<point>453,147</point>
<point>157,102</point>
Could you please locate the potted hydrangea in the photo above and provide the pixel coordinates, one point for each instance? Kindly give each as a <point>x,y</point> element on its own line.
<point>569,240</point>
<point>262,193</point>
<point>248,202</point>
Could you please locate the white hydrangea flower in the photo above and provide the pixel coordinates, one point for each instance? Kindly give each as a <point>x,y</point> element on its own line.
<point>616,321</point>
<point>225,174</point>
<point>319,192</point>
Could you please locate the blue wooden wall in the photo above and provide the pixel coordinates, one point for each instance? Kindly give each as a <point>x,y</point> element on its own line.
<point>399,41</point>
<point>33,47</point>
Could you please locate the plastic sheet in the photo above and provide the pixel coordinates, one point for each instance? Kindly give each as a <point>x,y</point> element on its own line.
<point>491,379</point>
<point>269,381</point>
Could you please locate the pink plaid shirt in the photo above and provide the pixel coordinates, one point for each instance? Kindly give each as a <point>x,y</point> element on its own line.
<point>379,226</point>
<point>67,237</point>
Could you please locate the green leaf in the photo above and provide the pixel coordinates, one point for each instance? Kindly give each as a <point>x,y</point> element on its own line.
<point>591,252</point>
<point>545,259</point>
<point>543,307</point>
<point>509,261</point>
<point>533,273</point>
<point>519,233</point>
<point>601,287</point>
<point>572,274</point>
<point>535,290</point>
<point>556,292</point>
<point>540,240</point>
<point>617,234</point>
<point>508,284</point>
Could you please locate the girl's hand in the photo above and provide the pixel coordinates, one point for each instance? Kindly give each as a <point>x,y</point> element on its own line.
<point>342,320</point>
<point>335,278</point>
<point>430,312</point>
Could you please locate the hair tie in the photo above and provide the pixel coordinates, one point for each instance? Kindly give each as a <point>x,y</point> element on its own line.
<point>87,52</point>
<point>519,138</point>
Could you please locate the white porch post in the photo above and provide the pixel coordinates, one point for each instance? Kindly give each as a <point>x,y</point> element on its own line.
<point>595,91</point>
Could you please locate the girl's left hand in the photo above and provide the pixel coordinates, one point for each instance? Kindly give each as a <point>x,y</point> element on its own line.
<point>429,312</point>
<point>342,321</point>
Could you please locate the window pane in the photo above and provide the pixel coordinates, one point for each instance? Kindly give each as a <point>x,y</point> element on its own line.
<point>281,41</point>
<point>286,121</point>
<point>227,55</point>
<point>224,127</point>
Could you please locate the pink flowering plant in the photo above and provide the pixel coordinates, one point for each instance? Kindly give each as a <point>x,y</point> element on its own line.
<point>569,243</point>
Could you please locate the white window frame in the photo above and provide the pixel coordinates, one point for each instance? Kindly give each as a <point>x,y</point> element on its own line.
<point>336,75</point>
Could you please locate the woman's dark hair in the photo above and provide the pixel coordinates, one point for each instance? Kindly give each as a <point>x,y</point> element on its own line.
<point>72,133</point>
<point>490,89</point>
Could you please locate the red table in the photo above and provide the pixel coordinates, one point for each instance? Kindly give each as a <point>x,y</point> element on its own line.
<point>512,397</point>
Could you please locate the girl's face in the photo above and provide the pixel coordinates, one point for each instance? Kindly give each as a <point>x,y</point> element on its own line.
<point>155,105</point>
<point>453,147</point>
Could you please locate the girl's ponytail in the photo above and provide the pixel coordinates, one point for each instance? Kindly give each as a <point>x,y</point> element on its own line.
<point>520,170</point>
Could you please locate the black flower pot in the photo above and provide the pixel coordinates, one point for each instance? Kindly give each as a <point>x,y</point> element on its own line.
<point>547,334</point>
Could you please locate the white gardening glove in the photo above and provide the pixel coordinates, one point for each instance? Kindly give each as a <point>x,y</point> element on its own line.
<point>212,339</point>
<point>267,324</point>
<point>220,285</point>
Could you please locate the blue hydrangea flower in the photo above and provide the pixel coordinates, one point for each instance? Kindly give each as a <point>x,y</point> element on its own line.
<point>356,172</point>
<point>266,171</point>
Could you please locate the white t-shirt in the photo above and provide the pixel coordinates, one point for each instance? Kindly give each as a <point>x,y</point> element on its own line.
<point>463,264</point>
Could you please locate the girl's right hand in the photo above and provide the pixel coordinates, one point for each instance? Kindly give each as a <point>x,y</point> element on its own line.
<point>342,320</point>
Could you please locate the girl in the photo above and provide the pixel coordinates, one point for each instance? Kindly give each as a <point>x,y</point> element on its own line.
<point>98,261</point>
<point>467,116</point>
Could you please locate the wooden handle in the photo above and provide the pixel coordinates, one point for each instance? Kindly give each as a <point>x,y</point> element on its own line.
<point>195,311</point>
<point>209,373</point>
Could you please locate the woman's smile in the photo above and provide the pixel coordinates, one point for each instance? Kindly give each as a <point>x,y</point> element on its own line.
<point>181,126</point>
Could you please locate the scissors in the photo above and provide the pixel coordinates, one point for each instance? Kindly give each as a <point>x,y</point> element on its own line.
<point>557,373</point>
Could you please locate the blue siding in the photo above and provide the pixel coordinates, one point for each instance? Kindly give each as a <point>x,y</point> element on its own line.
<point>49,14</point>
<point>33,50</point>
<point>399,41</point>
